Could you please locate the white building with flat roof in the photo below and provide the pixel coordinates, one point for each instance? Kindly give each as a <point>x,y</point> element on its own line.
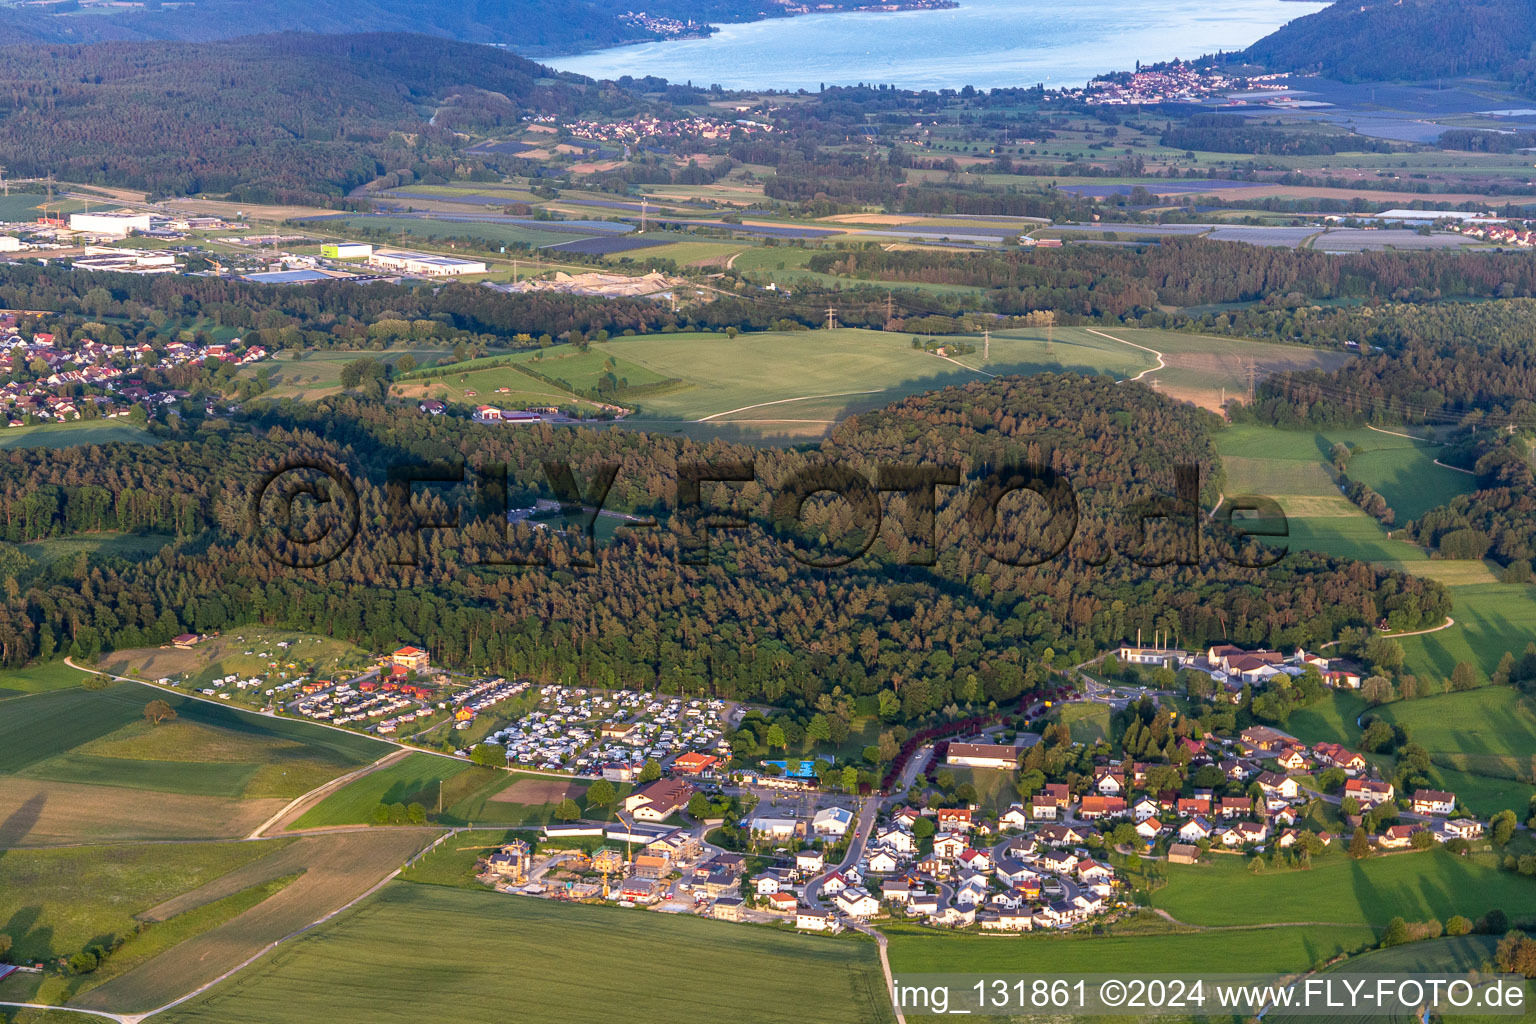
<point>422,264</point>
<point>119,224</point>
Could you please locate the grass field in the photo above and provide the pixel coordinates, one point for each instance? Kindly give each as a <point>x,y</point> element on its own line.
<point>1450,955</point>
<point>332,871</point>
<point>55,902</point>
<point>1258,949</point>
<point>489,953</point>
<point>413,778</point>
<point>1491,618</point>
<point>319,373</point>
<point>53,675</point>
<point>85,766</point>
<point>65,435</point>
<point>1089,722</point>
<point>118,545</point>
<point>1337,890</point>
<point>515,798</point>
<point>270,654</point>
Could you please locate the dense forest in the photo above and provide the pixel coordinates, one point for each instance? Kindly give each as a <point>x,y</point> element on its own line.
<point>292,117</point>
<point>1096,281</point>
<point>1448,364</point>
<point>937,622</point>
<point>1394,40</point>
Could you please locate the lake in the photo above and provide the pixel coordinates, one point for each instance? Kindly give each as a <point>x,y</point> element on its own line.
<point>985,43</point>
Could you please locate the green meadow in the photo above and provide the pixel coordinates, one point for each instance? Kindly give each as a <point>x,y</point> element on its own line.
<point>412,779</point>
<point>1339,890</point>
<point>485,955</point>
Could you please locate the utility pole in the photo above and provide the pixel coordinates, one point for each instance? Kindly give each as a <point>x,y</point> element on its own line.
<point>831,317</point>
<point>3,183</point>
<point>514,271</point>
<point>1154,383</point>
<point>1253,375</point>
<point>643,205</point>
<point>986,344</point>
<point>889,314</point>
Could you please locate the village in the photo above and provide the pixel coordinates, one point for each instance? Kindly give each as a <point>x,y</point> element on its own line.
<point>698,829</point>
<point>49,374</point>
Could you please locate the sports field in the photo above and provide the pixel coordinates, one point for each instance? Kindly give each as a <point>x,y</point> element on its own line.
<point>1338,890</point>
<point>492,955</point>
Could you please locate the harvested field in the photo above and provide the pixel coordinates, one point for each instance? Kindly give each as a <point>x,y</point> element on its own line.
<point>37,813</point>
<point>539,791</point>
<point>337,870</point>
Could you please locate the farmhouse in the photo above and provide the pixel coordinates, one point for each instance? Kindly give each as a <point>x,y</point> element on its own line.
<point>982,755</point>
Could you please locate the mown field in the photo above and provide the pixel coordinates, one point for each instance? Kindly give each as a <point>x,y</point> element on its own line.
<point>491,955</point>
<point>63,435</point>
<point>323,873</point>
<point>1258,949</point>
<point>55,902</point>
<point>85,765</point>
<point>412,779</point>
<point>318,373</point>
<point>1338,890</point>
<point>53,675</point>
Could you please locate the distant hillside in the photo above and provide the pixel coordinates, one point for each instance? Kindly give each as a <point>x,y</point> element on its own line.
<point>1397,40</point>
<point>538,27</point>
<point>285,117</point>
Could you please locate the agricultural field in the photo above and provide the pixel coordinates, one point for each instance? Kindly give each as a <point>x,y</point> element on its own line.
<point>1338,890</point>
<point>55,902</point>
<point>1447,955</point>
<point>411,779</point>
<point>52,675</point>
<point>331,871</point>
<point>1491,618</point>
<point>76,432</point>
<point>80,765</point>
<point>318,373</point>
<point>519,799</point>
<point>490,951</point>
<point>921,951</point>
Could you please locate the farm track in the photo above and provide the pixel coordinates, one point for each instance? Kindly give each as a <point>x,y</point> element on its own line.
<point>1162,364</point>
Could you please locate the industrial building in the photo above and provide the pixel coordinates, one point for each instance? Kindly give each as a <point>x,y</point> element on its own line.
<point>119,224</point>
<point>346,250</point>
<point>421,264</point>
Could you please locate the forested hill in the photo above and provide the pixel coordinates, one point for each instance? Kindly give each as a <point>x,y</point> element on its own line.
<point>1397,40</point>
<point>288,117</point>
<point>527,26</point>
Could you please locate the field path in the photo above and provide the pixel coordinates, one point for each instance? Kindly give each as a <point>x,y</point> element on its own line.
<point>303,802</point>
<point>1161,363</point>
<point>1416,437</point>
<point>785,401</point>
<point>1447,624</point>
<point>70,1009</point>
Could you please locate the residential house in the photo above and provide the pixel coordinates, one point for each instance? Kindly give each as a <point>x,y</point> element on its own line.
<point>810,862</point>
<point>1332,755</point>
<point>782,902</point>
<point>1369,792</point>
<point>954,819</point>
<point>1014,817</point>
<point>1042,808</point>
<point>857,902</point>
<point>727,908</point>
<point>1017,919</point>
<point>948,846</point>
<point>1149,829</point>
<point>832,821</point>
<point>976,860</point>
<point>1398,837</point>
<point>1433,801</point>
<point>1194,830</point>
<point>1094,807</point>
<point>1278,787</point>
<point>882,862</point>
<point>808,920</point>
<point>1145,808</point>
